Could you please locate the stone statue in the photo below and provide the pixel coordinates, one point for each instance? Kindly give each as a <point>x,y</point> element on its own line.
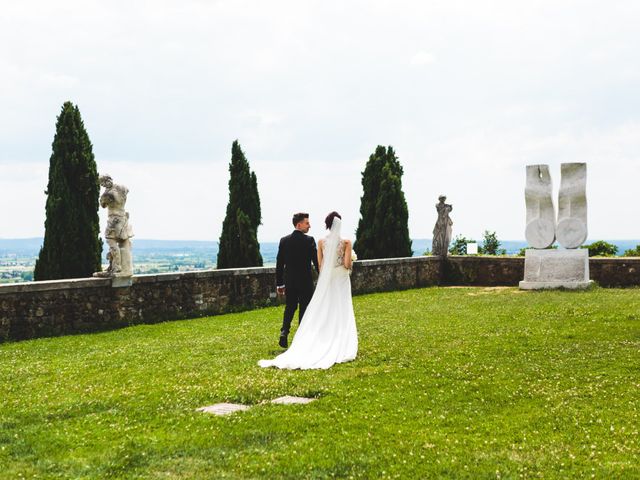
<point>442,229</point>
<point>118,232</point>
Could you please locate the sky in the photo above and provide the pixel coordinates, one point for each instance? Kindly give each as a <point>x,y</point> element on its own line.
<point>467,92</point>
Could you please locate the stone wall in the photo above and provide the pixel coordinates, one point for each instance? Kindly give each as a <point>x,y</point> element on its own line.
<point>395,274</point>
<point>482,271</point>
<point>508,271</point>
<point>615,271</point>
<point>41,309</point>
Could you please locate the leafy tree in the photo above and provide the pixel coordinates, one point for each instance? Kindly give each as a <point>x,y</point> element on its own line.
<point>239,245</point>
<point>602,249</point>
<point>459,245</point>
<point>383,230</point>
<point>491,244</point>
<point>72,247</point>
<point>633,252</point>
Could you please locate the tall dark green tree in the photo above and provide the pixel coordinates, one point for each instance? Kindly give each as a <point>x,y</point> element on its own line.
<point>383,230</point>
<point>72,247</point>
<point>239,245</point>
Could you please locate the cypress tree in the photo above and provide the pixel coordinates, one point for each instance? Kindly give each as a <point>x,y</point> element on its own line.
<point>239,245</point>
<point>72,247</point>
<point>383,230</point>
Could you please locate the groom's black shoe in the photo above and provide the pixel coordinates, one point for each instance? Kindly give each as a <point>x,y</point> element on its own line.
<point>283,340</point>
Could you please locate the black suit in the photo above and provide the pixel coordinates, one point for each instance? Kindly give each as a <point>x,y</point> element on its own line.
<point>296,253</point>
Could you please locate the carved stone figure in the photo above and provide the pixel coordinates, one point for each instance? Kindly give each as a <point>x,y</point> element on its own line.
<point>541,217</point>
<point>572,205</point>
<point>118,232</point>
<point>442,229</point>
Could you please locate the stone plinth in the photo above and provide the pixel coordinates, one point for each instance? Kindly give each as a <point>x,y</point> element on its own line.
<point>556,269</point>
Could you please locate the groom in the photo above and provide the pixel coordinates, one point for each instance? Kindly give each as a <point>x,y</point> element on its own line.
<point>296,253</point>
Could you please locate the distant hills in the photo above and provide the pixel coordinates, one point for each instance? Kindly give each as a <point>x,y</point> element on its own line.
<point>31,246</point>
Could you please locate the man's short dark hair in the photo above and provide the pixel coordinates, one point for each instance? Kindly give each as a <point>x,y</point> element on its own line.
<point>298,217</point>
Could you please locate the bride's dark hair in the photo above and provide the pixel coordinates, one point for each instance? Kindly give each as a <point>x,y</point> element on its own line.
<point>329,220</point>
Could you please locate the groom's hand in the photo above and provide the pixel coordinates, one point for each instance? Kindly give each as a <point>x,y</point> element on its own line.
<point>280,290</point>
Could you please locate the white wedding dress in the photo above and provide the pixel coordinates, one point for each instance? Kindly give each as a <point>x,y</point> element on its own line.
<point>327,334</point>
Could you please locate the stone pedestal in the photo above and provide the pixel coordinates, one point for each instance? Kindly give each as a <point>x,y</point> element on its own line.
<point>556,269</point>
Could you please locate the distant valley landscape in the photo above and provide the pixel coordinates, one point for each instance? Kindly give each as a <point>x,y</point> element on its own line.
<point>18,256</point>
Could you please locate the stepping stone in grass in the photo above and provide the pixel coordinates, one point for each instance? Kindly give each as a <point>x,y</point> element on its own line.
<point>223,408</point>
<point>289,400</point>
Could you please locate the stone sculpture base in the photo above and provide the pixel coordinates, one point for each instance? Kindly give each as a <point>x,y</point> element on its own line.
<point>556,269</point>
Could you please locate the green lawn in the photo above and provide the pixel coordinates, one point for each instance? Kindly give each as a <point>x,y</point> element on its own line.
<point>449,382</point>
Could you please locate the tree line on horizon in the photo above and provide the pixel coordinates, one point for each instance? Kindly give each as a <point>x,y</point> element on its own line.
<point>72,247</point>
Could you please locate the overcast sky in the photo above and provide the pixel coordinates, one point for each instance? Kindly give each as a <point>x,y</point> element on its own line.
<point>467,92</point>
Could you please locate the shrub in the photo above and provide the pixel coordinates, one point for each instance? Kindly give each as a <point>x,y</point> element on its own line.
<point>634,252</point>
<point>602,249</point>
<point>459,245</point>
<point>491,244</point>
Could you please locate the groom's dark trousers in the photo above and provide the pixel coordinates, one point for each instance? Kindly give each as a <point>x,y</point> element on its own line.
<point>296,254</point>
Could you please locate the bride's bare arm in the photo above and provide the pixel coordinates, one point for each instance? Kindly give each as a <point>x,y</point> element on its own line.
<point>320,245</point>
<point>347,254</point>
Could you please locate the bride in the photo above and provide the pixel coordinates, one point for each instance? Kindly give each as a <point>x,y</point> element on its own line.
<point>328,333</point>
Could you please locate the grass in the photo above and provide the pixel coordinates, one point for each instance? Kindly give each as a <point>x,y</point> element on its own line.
<point>449,382</point>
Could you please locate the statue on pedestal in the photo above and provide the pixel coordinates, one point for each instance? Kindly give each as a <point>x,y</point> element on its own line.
<point>118,232</point>
<point>442,229</point>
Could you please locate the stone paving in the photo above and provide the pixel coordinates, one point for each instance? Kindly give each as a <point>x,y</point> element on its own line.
<point>228,408</point>
<point>224,408</point>
<point>289,400</point>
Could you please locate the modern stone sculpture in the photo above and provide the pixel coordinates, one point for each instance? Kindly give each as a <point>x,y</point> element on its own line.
<point>541,218</point>
<point>572,205</point>
<point>118,232</point>
<point>556,268</point>
<point>442,229</point>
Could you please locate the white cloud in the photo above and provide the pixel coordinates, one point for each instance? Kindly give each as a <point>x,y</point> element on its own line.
<point>309,89</point>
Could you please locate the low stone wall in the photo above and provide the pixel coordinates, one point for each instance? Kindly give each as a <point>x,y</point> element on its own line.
<point>508,271</point>
<point>615,271</point>
<point>390,274</point>
<point>41,309</point>
<point>483,271</point>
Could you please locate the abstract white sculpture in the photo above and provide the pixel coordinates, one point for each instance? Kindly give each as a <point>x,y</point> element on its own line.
<point>541,217</point>
<point>556,268</point>
<point>572,205</point>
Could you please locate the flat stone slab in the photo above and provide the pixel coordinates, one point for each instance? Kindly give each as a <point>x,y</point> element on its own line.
<point>224,408</point>
<point>289,400</point>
